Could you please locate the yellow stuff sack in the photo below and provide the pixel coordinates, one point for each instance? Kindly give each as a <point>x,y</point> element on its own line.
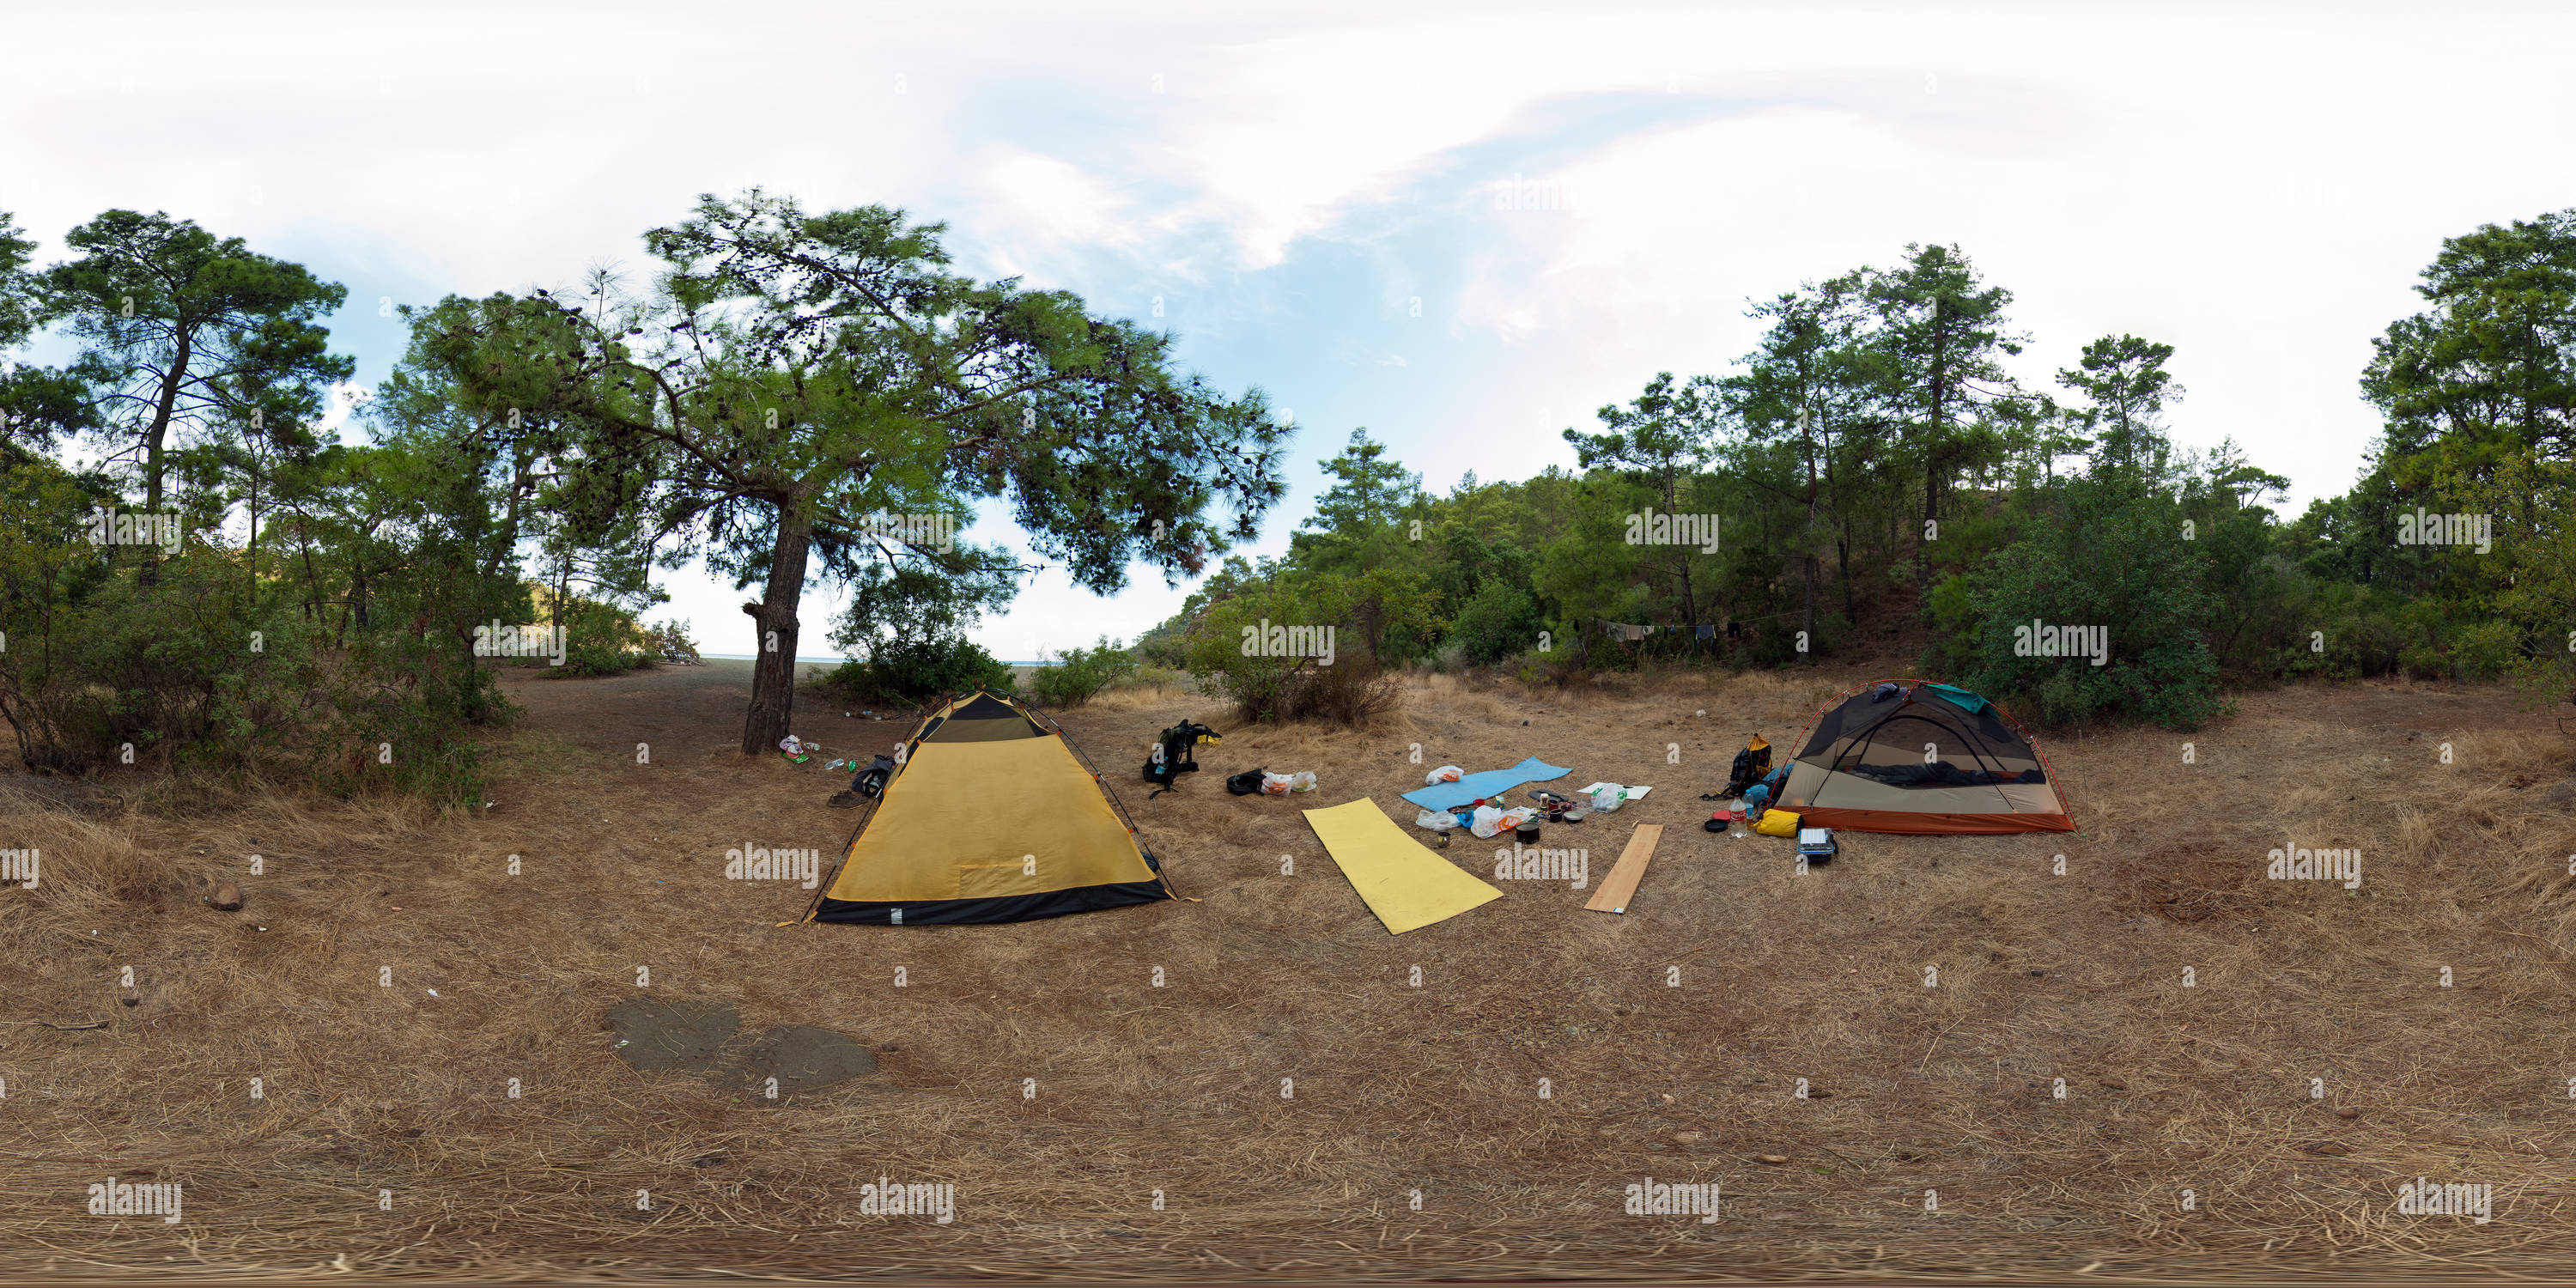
<point>1777,822</point>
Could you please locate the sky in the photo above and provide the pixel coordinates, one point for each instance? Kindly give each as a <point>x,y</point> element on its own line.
<point>1463,227</point>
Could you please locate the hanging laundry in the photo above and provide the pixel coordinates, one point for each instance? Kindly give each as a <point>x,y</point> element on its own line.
<point>1706,632</point>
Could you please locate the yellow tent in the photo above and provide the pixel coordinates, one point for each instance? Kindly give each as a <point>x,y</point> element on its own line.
<point>991,817</point>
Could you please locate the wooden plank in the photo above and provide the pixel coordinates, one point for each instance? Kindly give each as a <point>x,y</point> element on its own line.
<point>1621,886</point>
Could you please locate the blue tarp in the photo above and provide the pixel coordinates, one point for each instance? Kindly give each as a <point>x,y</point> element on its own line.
<point>1491,783</point>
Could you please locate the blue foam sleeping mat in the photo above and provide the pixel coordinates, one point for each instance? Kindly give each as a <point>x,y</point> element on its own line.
<point>1484,786</point>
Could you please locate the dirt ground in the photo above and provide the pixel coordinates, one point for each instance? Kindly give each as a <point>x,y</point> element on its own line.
<point>439,1093</point>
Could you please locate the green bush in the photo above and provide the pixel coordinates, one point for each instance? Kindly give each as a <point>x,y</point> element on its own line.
<point>917,670</point>
<point>1150,676</point>
<point>1497,622</point>
<point>1081,673</point>
<point>1353,690</point>
<point>2423,662</point>
<point>601,639</point>
<point>1165,646</point>
<point>2486,650</point>
<point>195,671</point>
<point>2111,559</point>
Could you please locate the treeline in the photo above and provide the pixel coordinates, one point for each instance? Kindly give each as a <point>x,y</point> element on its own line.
<point>792,397</point>
<point>1874,474</point>
<point>194,575</point>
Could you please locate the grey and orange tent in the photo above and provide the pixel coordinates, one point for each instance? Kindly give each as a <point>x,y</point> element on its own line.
<point>1911,756</point>
<point>991,816</point>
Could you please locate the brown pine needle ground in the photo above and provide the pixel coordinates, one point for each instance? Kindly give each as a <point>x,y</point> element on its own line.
<point>377,1093</point>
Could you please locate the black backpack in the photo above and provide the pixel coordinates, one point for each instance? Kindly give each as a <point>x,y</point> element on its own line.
<point>872,780</point>
<point>1178,747</point>
<point>1750,766</point>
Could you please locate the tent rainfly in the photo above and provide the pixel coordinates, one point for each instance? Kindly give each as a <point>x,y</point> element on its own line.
<point>1910,756</point>
<point>991,817</point>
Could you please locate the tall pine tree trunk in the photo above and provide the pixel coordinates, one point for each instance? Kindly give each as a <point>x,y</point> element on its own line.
<point>773,673</point>
<point>163,409</point>
<point>1935,460</point>
<point>1807,556</point>
<point>1807,537</point>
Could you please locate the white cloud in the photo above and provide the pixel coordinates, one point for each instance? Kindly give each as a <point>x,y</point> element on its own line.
<point>2258,186</point>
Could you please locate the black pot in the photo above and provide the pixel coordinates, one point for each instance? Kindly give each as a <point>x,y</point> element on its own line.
<point>1527,834</point>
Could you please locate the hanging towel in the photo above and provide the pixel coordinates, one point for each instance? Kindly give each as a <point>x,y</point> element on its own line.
<point>1628,632</point>
<point>1707,632</point>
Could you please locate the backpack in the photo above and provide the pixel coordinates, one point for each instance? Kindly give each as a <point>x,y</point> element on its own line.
<point>872,780</point>
<point>1174,754</point>
<point>1750,766</point>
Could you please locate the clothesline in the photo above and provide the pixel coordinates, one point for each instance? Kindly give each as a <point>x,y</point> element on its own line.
<point>1633,631</point>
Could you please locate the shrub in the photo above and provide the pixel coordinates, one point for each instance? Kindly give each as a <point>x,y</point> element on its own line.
<point>671,641</point>
<point>195,672</point>
<point>1164,646</point>
<point>1081,673</point>
<point>1499,621</point>
<point>601,639</point>
<point>917,670</point>
<point>1352,689</point>
<point>2109,560</point>
<point>2486,650</point>
<point>1353,692</point>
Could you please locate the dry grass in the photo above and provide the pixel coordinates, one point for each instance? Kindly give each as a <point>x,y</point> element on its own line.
<point>1397,1088</point>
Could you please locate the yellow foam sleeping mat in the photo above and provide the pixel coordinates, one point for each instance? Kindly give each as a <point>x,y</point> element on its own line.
<point>1399,878</point>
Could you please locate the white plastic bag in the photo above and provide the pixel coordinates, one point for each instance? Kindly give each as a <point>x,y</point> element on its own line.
<point>791,745</point>
<point>1438,820</point>
<point>1444,774</point>
<point>1282,784</point>
<point>1517,817</point>
<point>1608,800</point>
<point>1489,822</point>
